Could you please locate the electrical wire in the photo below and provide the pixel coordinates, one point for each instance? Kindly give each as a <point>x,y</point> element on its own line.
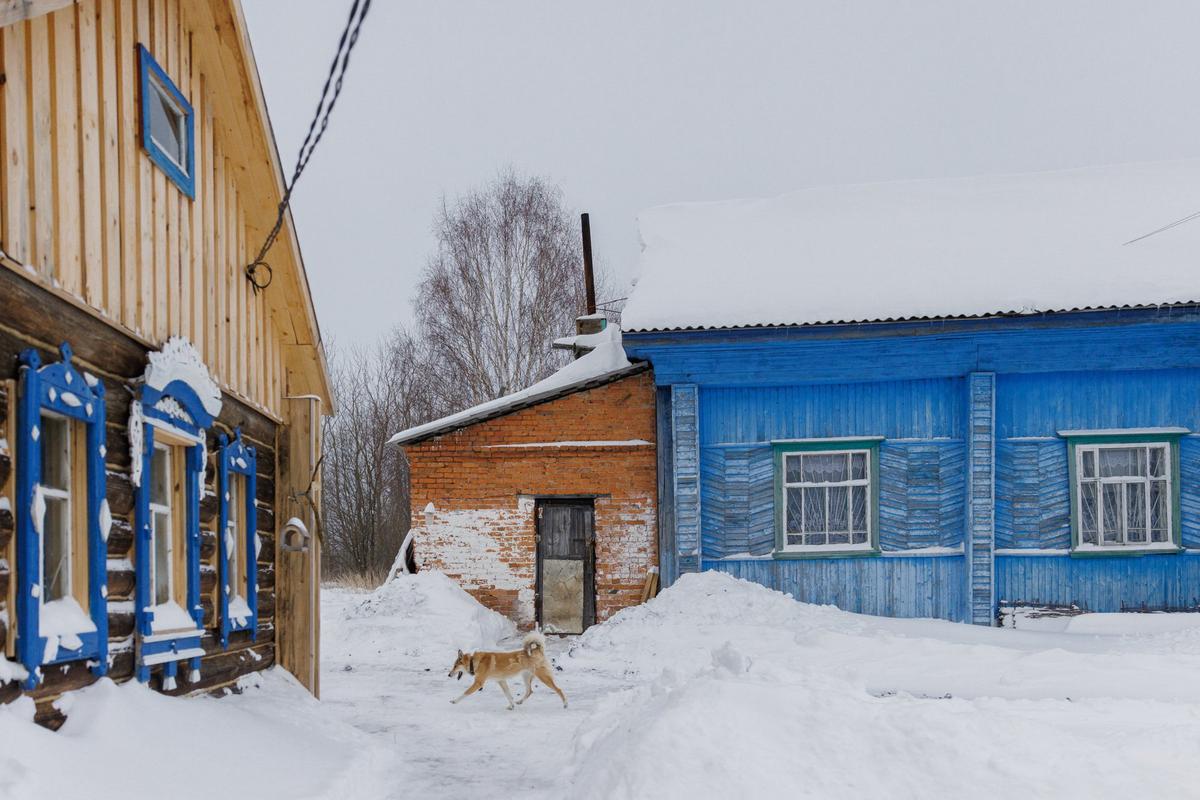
<point>316,129</point>
<point>1177,222</point>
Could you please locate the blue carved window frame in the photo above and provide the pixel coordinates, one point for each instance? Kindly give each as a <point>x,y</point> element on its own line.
<point>181,175</point>
<point>63,390</point>
<point>237,459</point>
<point>178,409</point>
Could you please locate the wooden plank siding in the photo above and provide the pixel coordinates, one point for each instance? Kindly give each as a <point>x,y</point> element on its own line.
<point>101,249</point>
<point>88,213</point>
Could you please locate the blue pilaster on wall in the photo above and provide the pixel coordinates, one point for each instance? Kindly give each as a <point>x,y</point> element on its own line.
<point>685,437</point>
<point>981,482</point>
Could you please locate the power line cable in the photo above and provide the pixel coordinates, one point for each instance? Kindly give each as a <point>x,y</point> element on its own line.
<point>1176,223</point>
<point>316,129</point>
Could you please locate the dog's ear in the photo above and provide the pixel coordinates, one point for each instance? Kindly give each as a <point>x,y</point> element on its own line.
<point>460,653</point>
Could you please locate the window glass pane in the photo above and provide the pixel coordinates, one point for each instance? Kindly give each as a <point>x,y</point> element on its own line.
<point>858,537</point>
<point>56,549</point>
<point>166,123</point>
<point>160,480</point>
<point>795,538</point>
<point>54,437</point>
<point>1158,461</point>
<point>814,510</point>
<point>1159,497</point>
<point>235,516</point>
<point>858,466</point>
<point>793,510</point>
<point>1087,512</point>
<point>858,516</point>
<point>791,469</point>
<point>162,557</point>
<point>824,467</point>
<point>1111,511</point>
<point>1116,462</point>
<point>1089,463</point>
<point>1135,512</point>
<point>839,509</point>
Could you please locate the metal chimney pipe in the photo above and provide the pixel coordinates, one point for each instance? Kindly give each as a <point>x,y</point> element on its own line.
<point>589,280</point>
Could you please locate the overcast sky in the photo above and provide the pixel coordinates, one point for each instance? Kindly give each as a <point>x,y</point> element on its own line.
<point>628,104</point>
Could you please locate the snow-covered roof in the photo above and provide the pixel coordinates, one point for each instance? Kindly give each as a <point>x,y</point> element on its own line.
<point>979,246</point>
<point>606,362</point>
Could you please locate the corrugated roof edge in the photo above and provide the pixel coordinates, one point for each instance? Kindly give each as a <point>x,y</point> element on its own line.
<point>545,397</point>
<point>990,315</point>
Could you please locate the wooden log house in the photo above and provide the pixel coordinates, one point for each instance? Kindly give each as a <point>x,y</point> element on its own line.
<point>159,415</point>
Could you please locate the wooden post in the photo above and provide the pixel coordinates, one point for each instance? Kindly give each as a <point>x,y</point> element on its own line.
<point>299,572</point>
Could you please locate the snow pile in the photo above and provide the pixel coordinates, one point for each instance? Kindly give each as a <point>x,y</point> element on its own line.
<point>271,741</point>
<point>425,616</point>
<point>738,690</point>
<point>605,360</point>
<point>931,248</point>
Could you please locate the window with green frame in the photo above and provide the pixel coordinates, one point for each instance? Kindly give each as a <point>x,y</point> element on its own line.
<point>826,496</point>
<point>1124,490</point>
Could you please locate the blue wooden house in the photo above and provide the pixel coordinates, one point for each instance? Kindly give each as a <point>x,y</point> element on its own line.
<point>933,398</point>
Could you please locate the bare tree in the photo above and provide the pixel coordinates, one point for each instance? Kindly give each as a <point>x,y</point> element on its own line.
<point>504,283</point>
<point>365,481</point>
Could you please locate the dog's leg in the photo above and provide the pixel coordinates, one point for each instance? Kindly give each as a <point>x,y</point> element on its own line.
<point>528,687</point>
<point>507,693</point>
<point>543,674</point>
<point>476,686</point>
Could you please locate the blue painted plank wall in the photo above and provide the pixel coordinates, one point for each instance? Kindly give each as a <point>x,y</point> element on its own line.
<point>981,508</point>
<point>686,470</point>
<point>913,409</point>
<point>1043,404</point>
<point>1165,339</point>
<point>894,587</point>
<point>922,492</point>
<point>1033,503</point>
<point>1151,582</point>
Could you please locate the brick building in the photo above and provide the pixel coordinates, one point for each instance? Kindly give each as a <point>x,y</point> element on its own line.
<point>543,504</point>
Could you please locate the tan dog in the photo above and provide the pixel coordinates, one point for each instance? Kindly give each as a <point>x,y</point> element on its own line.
<point>529,662</point>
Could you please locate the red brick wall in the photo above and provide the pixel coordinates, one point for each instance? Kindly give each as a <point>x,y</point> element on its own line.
<point>482,529</point>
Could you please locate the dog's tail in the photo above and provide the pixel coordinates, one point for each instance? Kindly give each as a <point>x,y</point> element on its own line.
<point>533,642</point>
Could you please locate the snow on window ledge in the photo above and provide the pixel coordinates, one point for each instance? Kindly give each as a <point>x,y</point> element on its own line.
<point>809,549</point>
<point>1126,549</point>
<point>239,611</point>
<point>61,622</point>
<point>170,616</point>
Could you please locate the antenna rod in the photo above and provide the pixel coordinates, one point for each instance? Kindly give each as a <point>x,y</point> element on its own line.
<point>589,281</point>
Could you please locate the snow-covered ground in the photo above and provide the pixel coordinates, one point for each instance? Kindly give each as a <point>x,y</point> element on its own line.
<point>717,688</point>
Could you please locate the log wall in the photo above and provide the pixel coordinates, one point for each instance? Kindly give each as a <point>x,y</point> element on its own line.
<point>42,321</point>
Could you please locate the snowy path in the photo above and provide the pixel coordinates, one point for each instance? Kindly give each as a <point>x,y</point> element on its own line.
<point>476,748</point>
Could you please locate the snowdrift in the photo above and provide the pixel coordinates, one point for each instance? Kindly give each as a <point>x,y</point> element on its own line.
<point>426,615</point>
<point>270,742</point>
<point>745,692</point>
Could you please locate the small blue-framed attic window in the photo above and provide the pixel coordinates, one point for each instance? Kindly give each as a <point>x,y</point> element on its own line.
<point>239,543</point>
<point>62,517</point>
<point>167,124</point>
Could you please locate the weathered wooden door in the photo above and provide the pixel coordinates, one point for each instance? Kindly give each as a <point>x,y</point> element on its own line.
<point>566,584</point>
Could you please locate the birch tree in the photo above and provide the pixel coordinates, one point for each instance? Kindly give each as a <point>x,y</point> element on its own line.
<point>505,281</point>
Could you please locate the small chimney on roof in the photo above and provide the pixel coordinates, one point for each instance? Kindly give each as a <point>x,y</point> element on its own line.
<point>589,278</point>
<point>591,322</point>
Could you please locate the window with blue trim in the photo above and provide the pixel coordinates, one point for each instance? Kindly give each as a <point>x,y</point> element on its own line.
<point>168,437</point>
<point>239,543</point>
<point>62,517</point>
<point>167,124</point>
